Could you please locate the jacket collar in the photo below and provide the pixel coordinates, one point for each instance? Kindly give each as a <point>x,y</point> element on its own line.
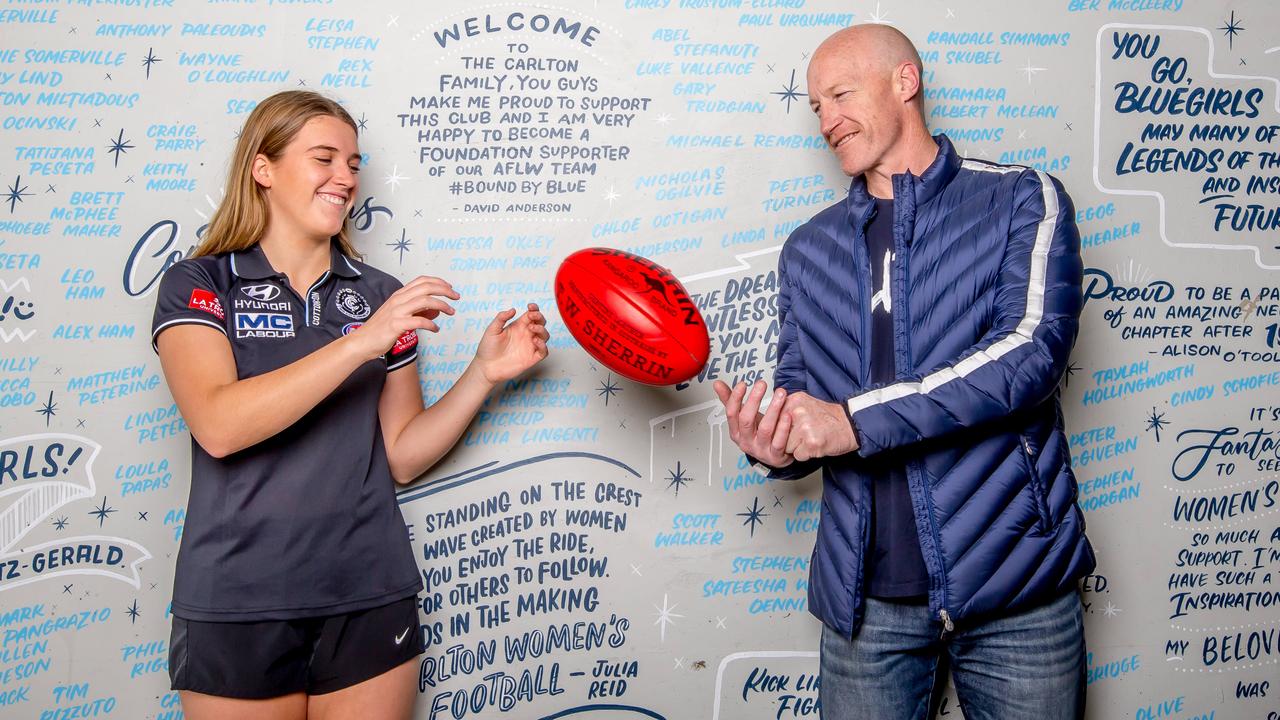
<point>252,263</point>
<point>924,187</point>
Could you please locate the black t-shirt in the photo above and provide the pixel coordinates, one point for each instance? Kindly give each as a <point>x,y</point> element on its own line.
<point>304,523</point>
<point>895,566</point>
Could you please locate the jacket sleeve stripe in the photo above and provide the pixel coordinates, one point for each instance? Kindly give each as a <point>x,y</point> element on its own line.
<point>1020,336</point>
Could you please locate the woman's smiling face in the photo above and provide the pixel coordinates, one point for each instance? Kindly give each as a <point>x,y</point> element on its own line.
<point>311,187</point>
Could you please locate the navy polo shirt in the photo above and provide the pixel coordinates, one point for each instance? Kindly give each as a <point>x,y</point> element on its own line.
<point>895,568</point>
<point>304,523</point>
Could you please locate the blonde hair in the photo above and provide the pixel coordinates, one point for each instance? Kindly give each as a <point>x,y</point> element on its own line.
<point>242,217</point>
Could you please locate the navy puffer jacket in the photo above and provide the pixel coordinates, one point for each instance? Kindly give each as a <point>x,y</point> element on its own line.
<point>985,311</point>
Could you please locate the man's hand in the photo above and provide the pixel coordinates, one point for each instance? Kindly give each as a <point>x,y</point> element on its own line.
<point>818,429</point>
<point>763,437</point>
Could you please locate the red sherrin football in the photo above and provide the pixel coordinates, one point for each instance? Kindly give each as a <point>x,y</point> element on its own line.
<point>633,315</point>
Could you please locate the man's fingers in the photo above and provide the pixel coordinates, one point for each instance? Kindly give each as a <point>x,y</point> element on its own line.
<point>781,434</point>
<point>751,408</point>
<point>732,410</point>
<point>722,391</point>
<point>735,398</point>
<point>765,431</point>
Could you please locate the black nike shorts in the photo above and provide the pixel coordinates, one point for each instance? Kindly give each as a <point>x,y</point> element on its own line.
<point>258,660</point>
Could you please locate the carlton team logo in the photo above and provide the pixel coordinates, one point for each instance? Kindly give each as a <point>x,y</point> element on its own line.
<point>353,305</point>
<point>202,299</point>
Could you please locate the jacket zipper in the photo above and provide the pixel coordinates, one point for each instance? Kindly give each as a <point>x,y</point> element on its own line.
<point>901,188</point>
<point>864,266</point>
<point>1038,490</point>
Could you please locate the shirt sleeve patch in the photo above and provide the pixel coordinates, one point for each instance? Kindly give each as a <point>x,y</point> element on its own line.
<point>406,341</point>
<point>202,299</point>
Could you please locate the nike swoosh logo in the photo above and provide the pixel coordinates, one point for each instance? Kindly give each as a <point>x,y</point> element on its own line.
<point>400,638</point>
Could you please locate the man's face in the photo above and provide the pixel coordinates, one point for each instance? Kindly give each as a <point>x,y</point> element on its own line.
<point>858,113</point>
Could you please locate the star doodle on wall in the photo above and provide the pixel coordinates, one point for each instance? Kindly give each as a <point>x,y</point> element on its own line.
<point>880,18</point>
<point>1231,28</point>
<point>16,193</point>
<point>1066,376</point>
<point>1030,70</point>
<point>102,511</point>
<point>677,478</point>
<point>132,612</point>
<point>753,516</point>
<point>118,146</point>
<point>150,60</point>
<point>402,245</point>
<point>66,589</point>
<point>1111,610</point>
<point>608,389</point>
<point>362,123</point>
<point>1155,422</point>
<point>60,524</point>
<point>789,92</point>
<point>395,178</point>
<point>49,409</point>
<point>665,616</point>
<point>612,195</point>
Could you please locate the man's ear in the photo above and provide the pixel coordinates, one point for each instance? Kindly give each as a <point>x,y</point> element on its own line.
<point>262,170</point>
<point>907,81</point>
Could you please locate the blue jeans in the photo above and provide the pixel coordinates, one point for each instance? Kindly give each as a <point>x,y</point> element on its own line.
<point>1025,666</point>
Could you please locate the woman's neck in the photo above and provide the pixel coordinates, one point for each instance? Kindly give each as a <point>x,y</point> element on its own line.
<point>300,258</point>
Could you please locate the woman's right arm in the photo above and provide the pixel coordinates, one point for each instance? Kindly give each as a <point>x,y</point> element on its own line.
<point>226,414</point>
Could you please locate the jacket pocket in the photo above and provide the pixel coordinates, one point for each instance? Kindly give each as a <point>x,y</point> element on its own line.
<point>1038,489</point>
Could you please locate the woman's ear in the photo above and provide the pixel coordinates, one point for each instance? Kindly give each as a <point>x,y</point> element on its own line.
<point>262,170</point>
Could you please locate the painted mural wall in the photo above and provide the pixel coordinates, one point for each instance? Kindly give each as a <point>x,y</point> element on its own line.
<point>594,547</point>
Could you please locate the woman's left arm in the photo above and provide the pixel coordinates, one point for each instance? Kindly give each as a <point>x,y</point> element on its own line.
<point>416,438</point>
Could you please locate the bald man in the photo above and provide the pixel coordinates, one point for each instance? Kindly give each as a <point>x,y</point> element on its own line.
<point>925,323</point>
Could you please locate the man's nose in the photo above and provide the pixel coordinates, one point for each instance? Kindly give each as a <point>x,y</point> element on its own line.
<point>828,119</point>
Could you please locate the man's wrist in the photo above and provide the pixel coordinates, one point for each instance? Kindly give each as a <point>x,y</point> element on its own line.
<point>757,461</point>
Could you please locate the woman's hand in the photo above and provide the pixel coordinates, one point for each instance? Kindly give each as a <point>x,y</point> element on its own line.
<point>412,307</point>
<point>505,350</point>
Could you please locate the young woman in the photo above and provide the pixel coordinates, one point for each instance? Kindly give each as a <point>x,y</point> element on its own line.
<point>295,368</point>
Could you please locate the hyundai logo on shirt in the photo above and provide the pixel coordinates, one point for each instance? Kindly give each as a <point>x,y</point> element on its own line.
<point>262,293</point>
